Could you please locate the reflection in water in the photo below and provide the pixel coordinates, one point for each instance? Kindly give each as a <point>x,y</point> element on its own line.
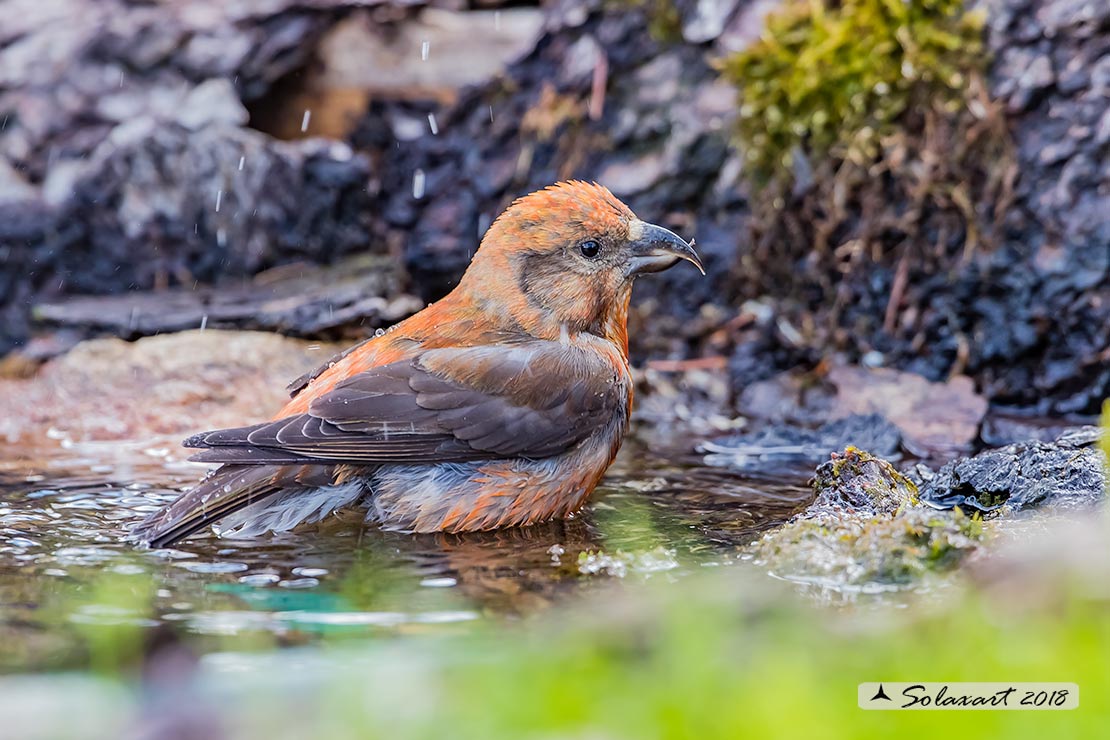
<point>62,513</point>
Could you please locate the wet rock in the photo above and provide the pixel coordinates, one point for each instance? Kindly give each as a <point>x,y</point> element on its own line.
<point>786,445</point>
<point>791,397</point>
<point>351,299</point>
<point>865,530</point>
<point>212,101</point>
<point>126,162</point>
<point>704,20</point>
<point>870,553</point>
<point>108,389</point>
<point>1000,429</point>
<point>1042,329</point>
<point>933,417</point>
<point>159,205</point>
<point>1065,474</point>
<point>126,119</point>
<point>857,481</point>
<point>361,59</point>
<point>14,188</point>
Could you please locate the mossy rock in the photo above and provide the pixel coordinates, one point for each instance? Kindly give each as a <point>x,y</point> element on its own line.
<point>876,551</point>
<point>858,481</point>
<point>866,529</point>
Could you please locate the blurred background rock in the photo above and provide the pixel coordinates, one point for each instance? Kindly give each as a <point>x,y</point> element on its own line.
<point>953,219</point>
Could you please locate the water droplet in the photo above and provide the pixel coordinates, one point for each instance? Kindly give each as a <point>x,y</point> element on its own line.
<point>444,582</point>
<point>418,184</point>
<point>219,198</point>
<point>305,120</point>
<point>242,161</point>
<point>424,49</point>
<point>432,124</point>
<point>310,572</point>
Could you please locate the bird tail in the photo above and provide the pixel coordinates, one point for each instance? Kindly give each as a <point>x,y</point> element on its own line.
<point>227,490</point>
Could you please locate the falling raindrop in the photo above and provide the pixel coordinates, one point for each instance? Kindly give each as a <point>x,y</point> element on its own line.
<point>418,184</point>
<point>491,114</point>
<point>432,124</point>
<point>221,237</point>
<point>424,48</point>
<point>242,161</point>
<point>305,120</point>
<point>219,198</point>
<point>204,322</point>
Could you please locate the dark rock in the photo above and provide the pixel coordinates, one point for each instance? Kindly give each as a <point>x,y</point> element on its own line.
<point>1000,429</point>
<point>1064,474</point>
<point>862,483</point>
<point>124,124</point>
<point>786,446</point>
<point>350,298</point>
<point>159,205</point>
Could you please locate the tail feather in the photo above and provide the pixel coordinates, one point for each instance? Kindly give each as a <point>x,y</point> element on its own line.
<point>228,489</point>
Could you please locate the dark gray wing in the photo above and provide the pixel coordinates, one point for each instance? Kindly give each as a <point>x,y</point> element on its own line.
<point>531,400</point>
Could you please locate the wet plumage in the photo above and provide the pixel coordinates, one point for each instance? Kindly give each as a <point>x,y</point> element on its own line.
<point>500,405</point>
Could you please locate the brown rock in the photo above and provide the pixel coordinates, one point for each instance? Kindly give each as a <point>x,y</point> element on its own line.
<point>108,389</point>
<point>933,417</point>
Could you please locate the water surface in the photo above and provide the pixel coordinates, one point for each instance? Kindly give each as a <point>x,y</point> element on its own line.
<point>64,570</point>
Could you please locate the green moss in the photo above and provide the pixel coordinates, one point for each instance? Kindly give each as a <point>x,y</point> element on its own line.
<point>841,550</point>
<point>835,77</point>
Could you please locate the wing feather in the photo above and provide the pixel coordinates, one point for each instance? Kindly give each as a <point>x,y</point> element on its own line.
<point>533,399</point>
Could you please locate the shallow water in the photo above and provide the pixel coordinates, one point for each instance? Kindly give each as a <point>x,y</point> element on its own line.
<point>63,568</point>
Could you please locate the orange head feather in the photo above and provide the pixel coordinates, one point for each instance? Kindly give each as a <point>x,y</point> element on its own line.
<point>563,259</point>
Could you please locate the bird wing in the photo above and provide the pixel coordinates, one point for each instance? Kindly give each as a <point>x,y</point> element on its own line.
<point>533,399</point>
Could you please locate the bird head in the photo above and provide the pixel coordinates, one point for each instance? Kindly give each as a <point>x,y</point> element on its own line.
<point>572,251</point>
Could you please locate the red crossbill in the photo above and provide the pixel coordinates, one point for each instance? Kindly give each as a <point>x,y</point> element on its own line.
<point>500,405</point>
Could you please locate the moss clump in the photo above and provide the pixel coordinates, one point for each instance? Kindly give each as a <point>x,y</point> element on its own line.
<point>835,77</point>
<point>879,160</point>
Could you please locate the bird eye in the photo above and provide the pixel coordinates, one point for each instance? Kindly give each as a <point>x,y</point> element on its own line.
<point>590,249</point>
